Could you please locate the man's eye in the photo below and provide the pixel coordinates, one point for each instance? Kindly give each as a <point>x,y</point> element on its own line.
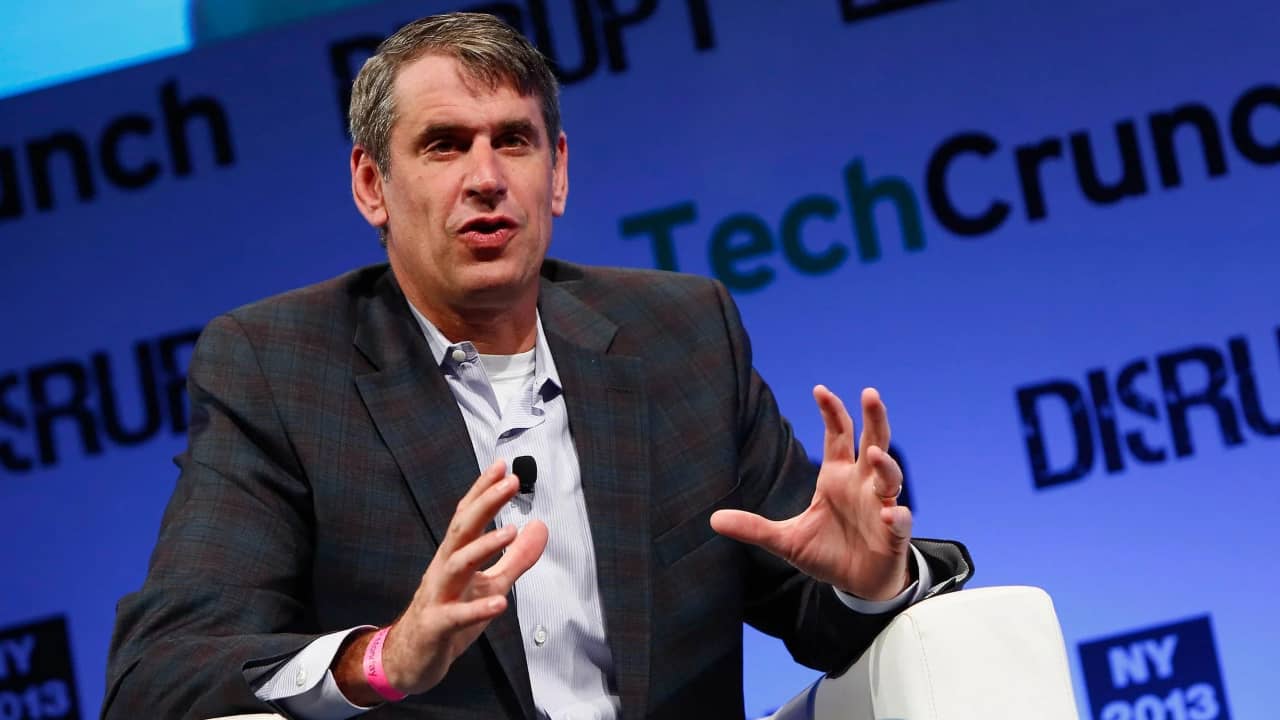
<point>442,146</point>
<point>513,141</point>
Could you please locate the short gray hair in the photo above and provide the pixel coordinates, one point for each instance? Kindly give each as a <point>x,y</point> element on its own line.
<point>489,50</point>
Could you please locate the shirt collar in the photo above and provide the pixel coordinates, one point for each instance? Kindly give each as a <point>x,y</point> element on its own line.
<point>544,367</point>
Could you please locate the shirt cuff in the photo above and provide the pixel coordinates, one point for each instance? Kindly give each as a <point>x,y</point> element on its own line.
<point>913,594</point>
<point>304,687</point>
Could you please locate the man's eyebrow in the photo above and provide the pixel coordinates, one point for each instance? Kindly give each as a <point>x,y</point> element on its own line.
<point>518,127</point>
<point>435,130</point>
<point>506,127</point>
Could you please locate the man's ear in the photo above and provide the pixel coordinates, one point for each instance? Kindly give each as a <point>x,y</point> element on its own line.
<point>560,177</point>
<point>366,187</point>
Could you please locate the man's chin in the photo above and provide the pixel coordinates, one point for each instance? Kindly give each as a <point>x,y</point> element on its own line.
<point>496,289</point>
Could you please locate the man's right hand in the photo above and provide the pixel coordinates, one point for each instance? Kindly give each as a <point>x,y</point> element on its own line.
<point>456,600</point>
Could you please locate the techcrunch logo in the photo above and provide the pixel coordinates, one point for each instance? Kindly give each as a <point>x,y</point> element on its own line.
<point>127,152</point>
<point>743,247</point>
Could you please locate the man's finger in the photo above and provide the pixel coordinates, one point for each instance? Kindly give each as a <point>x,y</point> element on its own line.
<point>749,528</point>
<point>470,520</point>
<point>875,422</point>
<point>521,554</point>
<point>461,615</point>
<point>898,520</point>
<point>492,474</point>
<point>837,442</point>
<point>460,567</point>
<point>886,475</point>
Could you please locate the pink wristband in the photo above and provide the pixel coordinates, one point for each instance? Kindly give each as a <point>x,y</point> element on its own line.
<point>373,673</point>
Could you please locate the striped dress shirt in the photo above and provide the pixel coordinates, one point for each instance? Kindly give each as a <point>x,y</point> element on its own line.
<point>557,600</point>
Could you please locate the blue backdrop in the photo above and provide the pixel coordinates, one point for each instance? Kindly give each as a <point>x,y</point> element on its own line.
<point>1046,231</point>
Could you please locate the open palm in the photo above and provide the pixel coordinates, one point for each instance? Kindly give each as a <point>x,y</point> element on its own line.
<point>853,535</point>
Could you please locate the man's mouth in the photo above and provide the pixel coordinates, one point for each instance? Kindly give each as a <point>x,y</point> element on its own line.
<point>487,231</point>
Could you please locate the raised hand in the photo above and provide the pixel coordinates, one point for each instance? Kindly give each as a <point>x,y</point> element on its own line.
<point>456,600</point>
<point>853,535</point>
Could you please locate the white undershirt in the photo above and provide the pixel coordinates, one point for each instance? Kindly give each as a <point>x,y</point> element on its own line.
<point>508,373</point>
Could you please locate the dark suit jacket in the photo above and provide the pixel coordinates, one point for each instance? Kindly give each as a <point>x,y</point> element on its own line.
<point>327,454</point>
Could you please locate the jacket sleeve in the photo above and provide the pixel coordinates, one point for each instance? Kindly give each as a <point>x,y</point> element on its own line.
<point>779,480</point>
<point>226,590</point>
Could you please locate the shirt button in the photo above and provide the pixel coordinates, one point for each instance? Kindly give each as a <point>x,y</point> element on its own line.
<point>459,355</point>
<point>301,678</point>
<point>540,636</point>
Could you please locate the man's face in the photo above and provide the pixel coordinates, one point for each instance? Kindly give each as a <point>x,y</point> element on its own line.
<point>471,192</point>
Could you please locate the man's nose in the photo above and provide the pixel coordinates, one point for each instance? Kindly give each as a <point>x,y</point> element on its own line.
<point>486,180</point>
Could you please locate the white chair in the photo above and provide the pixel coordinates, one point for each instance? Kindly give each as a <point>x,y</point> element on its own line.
<point>984,654</point>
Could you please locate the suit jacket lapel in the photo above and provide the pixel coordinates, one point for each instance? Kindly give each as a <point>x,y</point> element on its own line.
<point>607,417</point>
<point>419,420</point>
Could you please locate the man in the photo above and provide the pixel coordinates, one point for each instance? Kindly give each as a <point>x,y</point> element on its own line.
<point>337,433</point>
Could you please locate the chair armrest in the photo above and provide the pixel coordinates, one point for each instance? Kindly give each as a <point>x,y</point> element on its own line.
<point>984,654</point>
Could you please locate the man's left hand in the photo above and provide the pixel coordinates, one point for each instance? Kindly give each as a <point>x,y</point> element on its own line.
<point>853,535</point>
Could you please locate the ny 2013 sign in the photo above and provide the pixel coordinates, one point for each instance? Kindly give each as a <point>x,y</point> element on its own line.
<point>1168,672</point>
<point>36,678</point>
